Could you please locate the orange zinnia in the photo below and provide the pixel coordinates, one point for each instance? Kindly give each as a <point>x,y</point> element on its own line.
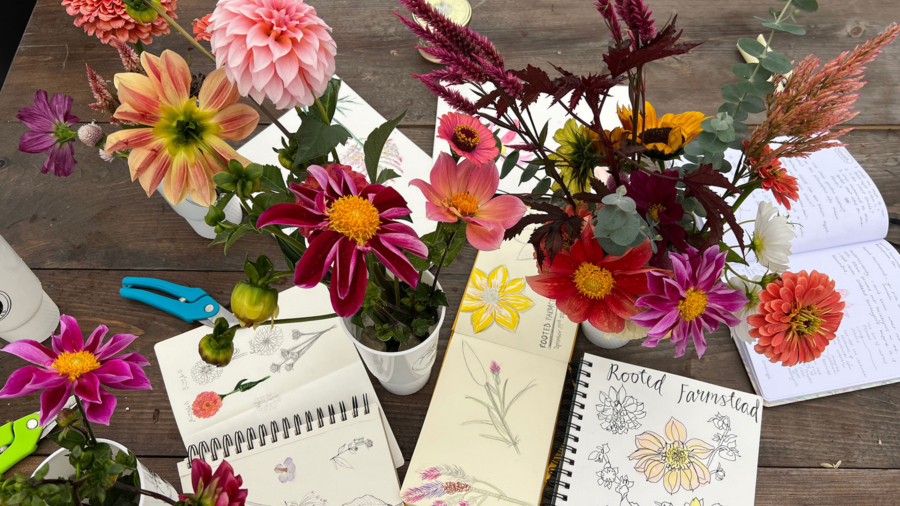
<point>181,142</point>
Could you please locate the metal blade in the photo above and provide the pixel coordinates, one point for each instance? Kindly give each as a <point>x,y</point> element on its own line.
<point>223,313</point>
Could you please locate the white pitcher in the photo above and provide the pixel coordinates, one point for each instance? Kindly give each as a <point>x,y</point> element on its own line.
<point>26,312</point>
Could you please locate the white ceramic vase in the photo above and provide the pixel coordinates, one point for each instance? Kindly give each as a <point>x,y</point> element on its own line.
<point>26,312</point>
<point>195,214</point>
<point>60,468</point>
<point>402,372</point>
<point>599,338</point>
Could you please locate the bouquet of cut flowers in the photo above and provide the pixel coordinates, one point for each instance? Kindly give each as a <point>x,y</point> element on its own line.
<point>634,229</point>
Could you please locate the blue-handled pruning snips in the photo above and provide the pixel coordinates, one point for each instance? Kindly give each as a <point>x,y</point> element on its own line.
<point>189,304</point>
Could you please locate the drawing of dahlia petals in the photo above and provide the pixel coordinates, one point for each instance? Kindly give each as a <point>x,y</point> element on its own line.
<point>430,474</point>
<point>455,487</point>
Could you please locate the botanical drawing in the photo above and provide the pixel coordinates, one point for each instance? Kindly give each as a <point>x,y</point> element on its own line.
<point>207,404</point>
<point>495,298</point>
<point>369,500</point>
<point>310,499</point>
<point>498,404</point>
<point>452,486</point>
<point>291,355</point>
<point>424,362</point>
<point>203,373</point>
<point>726,443</point>
<point>286,471</point>
<point>674,459</point>
<point>609,476</point>
<point>352,447</point>
<point>619,412</point>
<point>266,340</point>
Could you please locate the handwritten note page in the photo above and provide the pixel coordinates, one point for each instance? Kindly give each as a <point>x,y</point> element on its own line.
<point>347,463</point>
<point>305,366</point>
<point>866,351</point>
<point>490,424</point>
<point>652,438</point>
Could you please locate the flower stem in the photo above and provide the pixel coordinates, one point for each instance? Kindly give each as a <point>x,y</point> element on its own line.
<point>443,257</point>
<point>327,121</point>
<point>500,497</point>
<point>87,424</point>
<point>304,319</point>
<point>141,491</point>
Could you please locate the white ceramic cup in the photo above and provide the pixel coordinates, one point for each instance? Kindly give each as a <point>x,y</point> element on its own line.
<point>26,312</point>
<point>60,468</point>
<point>402,372</point>
<point>599,338</point>
<point>195,214</point>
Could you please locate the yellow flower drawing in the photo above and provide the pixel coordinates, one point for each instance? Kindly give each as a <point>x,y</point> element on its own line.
<point>495,298</point>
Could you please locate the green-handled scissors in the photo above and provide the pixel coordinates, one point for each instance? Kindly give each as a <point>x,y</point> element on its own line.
<point>19,438</point>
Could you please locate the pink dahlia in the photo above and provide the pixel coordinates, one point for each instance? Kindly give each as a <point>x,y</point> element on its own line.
<point>108,20</point>
<point>277,49</point>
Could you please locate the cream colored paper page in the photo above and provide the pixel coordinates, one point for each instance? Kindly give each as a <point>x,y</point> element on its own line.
<point>308,366</point>
<point>490,424</point>
<point>652,438</point>
<point>347,463</point>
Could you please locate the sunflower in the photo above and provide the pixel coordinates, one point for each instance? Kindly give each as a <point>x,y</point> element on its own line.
<point>663,137</point>
<point>579,152</point>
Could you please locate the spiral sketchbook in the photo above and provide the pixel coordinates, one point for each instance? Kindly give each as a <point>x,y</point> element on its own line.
<point>636,436</point>
<point>276,372</point>
<point>337,456</point>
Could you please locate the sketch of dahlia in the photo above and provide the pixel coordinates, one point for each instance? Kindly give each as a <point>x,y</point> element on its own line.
<point>203,373</point>
<point>266,340</point>
<point>619,412</point>
<point>390,157</point>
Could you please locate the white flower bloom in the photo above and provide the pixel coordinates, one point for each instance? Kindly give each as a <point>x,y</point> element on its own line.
<point>751,290</point>
<point>771,239</point>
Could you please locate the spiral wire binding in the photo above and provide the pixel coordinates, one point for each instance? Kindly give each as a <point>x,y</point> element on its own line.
<point>268,432</point>
<point>567,428</point>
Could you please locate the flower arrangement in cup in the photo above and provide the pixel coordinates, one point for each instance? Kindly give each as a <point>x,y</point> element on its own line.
<point>87,370</point>
<point>658,189</point>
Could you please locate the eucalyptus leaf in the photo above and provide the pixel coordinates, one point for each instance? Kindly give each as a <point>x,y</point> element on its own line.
<point>752,47</point>
<point>542,187</point>
<point>729,108</point>
<point>529,172</point>
<point>806,5</point>
<point>611,248</point>
<point>784,27</point>
<point>711,143</point>
<point>776,63</point>
<point>753,104</point>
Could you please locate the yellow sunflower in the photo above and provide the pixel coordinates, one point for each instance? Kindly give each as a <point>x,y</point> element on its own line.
<point>581,151</point>
<point>495,298</point>
<point>663,137</point>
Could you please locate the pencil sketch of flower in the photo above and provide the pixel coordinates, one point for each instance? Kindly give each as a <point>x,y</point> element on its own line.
<point>286,471</point>
<point>619,412</point>
<point>452,485</point>
<point>726,442</point>
<point>601,454</point>
<point>664,503</point>
<point>203,373</point>
<point>290,356</point>
<point>310,499</point>
<point>497,403</point>
<point>495,298</point>
<point>266,340</point>
<point>367,500</point>
<point>719,473</point>
<point>352,447</point>
<point>608,476</point>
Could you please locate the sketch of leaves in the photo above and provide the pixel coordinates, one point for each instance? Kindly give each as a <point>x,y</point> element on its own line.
<point>471,359</point>
<point>367,500</point>
<point>340,461</point>
<point>475,422</point>
<point>455,472</point>
<point>516,397</point>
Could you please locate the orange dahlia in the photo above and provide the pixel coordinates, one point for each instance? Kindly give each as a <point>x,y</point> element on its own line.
<point>798,316</point>
<point>181,139</point>
<point>108,20</point>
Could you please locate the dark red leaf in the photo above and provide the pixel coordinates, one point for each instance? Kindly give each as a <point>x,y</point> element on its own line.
<point>535,81</point>
<point>717,210</point>
<point>622,59</point>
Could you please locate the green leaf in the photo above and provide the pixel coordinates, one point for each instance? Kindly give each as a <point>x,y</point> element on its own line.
<point>732,257</point>
<point>331,96</point>
<point>236,234</point>
<point>542,187</point>
<point>730,109</point>
<point>725,136</point>
<point>610,218</point>
<point>253,171</point>
<point>420,326</point>
<point>743,70</point>
<point>291,255</point>
<point>529,172</point>
<point>225,181</point>
<point>711,143</point>
<point>731,93</point>
<point>375,145</point>
<point>806,5</point>
<point>509,163</point>
<point>611,248</point>
<point>783,27</point>
<point>542,139</point>
<point>752,47</point>
<point>68,439</point>
<point>419,264</point>
<point>753,105</point>
<point>776,63</point>
<point>272,179</point>
<point>315,138</point>
<point>386,175</point>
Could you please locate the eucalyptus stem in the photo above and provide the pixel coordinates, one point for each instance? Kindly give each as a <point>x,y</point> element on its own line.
<point>87,424</point>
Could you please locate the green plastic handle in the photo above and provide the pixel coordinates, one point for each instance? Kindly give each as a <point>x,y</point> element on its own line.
<point>21,440</point>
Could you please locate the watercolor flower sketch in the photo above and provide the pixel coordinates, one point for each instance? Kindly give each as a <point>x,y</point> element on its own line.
<point>495,298</point>
<point>207,404</point>
<point>496,402</point>
<point>619,412</point>
<point>673,459</point>
<point>287,471</point>
<point>447,485</point>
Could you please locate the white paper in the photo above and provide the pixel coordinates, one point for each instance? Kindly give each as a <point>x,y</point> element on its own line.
<point>624,403</point>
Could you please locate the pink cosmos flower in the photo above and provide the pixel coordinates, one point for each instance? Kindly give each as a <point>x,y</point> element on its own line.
<point>75,365</point>
<point>468,137</point>
<point>277,49</point>
<point>49,125</point>
<point>694,301</point>
<point>465,191</point>
<point>222,488</point>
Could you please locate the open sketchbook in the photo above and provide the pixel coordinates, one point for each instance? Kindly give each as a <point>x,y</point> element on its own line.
<point>490,424</point>
<point>335,460</point>
<point>841,223</point>
<point>643,437</point>
<point>303,366</point>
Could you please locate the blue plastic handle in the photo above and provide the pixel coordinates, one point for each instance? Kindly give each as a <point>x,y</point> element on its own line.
<point>196,306</point>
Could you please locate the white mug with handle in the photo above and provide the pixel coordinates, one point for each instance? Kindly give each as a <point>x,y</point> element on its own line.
<point>26,312</point>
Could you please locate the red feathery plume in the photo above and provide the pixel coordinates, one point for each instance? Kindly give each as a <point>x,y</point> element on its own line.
<point>106,102</point>
<point>130,59</point>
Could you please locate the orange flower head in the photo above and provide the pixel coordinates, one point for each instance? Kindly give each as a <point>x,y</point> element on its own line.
<point>206,404</point>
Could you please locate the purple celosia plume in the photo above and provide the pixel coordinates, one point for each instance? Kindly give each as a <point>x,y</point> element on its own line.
<point>452,97</point>
<point>637,18</point>
<point>609,15</point>
<point>49,122</point>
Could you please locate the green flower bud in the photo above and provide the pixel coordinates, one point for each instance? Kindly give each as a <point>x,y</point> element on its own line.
<point>67,417</point>
<point>253,304</point>
<point>284,158</point>
<point>141,12</point>
<point>218,347</point>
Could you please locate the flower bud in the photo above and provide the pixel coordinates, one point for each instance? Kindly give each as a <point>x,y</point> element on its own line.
<point>90,134</point>
<point>284,159</point>
<point>141,12</point>
<point>66,417</point>
<point>253,304</point>
<point>217,348</point>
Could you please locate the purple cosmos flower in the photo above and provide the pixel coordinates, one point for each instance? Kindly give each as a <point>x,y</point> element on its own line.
<point>694,300</point>
<point>50,122</point>
<point>75,365</point>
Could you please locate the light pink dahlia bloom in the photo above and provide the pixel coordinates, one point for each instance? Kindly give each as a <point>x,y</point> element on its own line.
<point>277,49</point>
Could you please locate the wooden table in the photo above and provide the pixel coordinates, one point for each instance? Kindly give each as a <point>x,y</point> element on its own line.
<point>82,234</point>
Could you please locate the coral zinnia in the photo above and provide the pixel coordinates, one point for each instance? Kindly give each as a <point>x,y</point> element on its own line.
<point>277,49</point>
<point>108,20</point>
<point>206,404</point>
<point>675,459</point>
<point>466,192</point>
<point>347,223</point>
<point>76,366</point>
<point>590,285</point>
<point>468,137</point>
<point>775,178</point>
<point>693,301</point>
<point>182,142</point>
<point>798,316</point>
<point>201,28</point>
<point>663,137</point>
<point>49,124</point>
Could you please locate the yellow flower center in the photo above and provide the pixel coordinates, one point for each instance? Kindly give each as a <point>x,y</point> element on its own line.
<point>656,135</point>
<point>806,321</point>
<point>693,305</point>
<point>465,203</point>
<point>592,281</point>
<point>677,457</point>
<point>75,364</point>
<point>184,128</point>
<point>355,217</point>
<point>654,211</point>
<point>466,138</point>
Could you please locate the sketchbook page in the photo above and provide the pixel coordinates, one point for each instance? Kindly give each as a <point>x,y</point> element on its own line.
<point>640,427</point>
<point>347,463</point>
<point>292,356</point>
<point>400,154</point>
<point>542,111</point>
<point>839,203</point>
<point>466,451</point>
<point>866,351</point>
